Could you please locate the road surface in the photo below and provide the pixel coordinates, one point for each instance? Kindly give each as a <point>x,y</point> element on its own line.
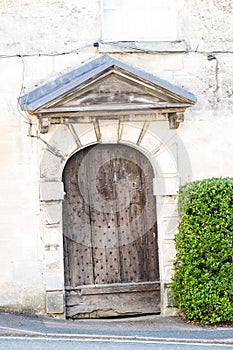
<point>79,343</point>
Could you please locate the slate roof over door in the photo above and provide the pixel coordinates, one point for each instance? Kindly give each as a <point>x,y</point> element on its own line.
<point>39,97</point>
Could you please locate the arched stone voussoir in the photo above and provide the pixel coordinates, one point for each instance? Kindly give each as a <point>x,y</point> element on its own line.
<point>109,131</point>
<point>130,132</point>
<point>61,140</point>
<point>166,162</point>
<point>52,165</point>
<point>84,133</point>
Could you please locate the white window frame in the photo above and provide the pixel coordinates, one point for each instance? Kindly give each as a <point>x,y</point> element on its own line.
<point>156,25</point>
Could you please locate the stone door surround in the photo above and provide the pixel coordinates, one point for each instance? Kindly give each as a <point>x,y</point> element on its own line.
<point>105,101</point>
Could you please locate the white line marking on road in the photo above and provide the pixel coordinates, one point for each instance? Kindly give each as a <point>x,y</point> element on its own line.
<point>20,330</point>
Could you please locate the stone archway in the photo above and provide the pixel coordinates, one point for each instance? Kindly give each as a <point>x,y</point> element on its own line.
<point>106,101</point>
<point>166,183</point>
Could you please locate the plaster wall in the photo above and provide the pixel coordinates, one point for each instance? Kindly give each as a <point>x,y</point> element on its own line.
<point>21,256</point>
<point>30,250</point>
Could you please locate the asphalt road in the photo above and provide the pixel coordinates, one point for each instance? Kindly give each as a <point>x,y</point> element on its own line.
<point>39,343</point>
<point>28,332</point>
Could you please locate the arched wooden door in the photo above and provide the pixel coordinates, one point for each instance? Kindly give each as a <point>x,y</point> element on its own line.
<point>110,234</point>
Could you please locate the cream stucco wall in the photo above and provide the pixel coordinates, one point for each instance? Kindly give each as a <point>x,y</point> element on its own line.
<point>54,27</point>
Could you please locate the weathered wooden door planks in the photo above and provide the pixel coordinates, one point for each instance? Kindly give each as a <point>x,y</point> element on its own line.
<point>110,235</point>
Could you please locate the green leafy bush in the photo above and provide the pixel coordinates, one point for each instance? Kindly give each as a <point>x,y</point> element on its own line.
<point>203,276</point>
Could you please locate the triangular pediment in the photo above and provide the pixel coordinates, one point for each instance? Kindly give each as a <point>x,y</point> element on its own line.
<point>102,83</point>
<point>112,90</point>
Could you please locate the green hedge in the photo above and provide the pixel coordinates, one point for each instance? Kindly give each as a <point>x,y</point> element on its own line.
<point>203,277</point>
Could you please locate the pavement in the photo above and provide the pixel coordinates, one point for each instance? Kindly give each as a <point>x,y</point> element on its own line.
<point>156,328</point>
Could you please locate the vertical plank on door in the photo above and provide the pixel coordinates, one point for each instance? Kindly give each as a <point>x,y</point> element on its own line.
<point>76,226</point>
<point>102,198</point>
